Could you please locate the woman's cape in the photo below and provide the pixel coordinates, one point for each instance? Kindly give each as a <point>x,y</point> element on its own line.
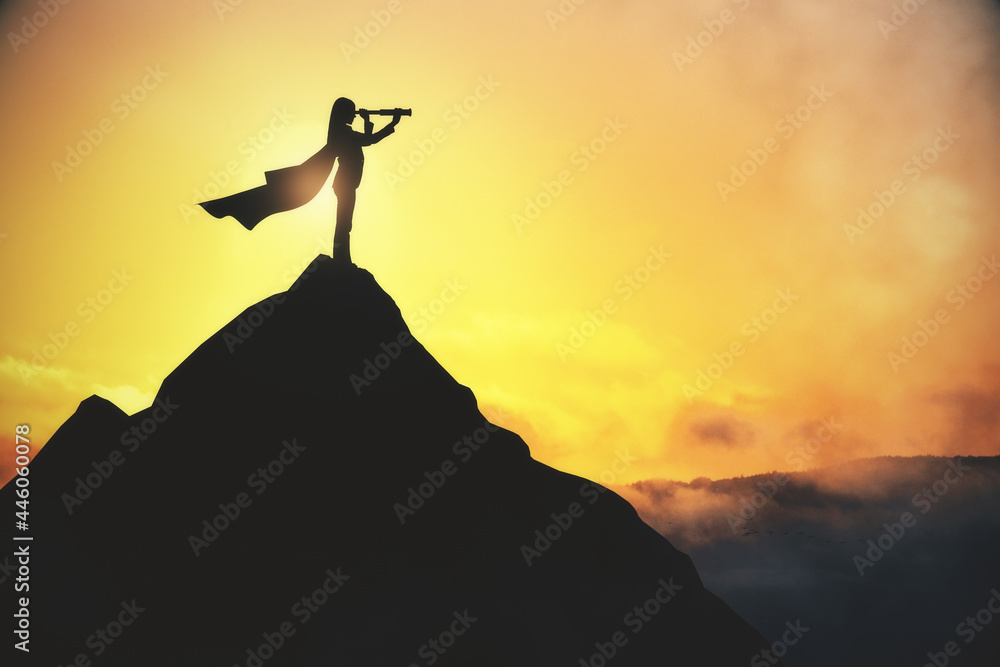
<point>286,189</point>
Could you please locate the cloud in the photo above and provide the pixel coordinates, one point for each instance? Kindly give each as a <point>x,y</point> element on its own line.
<point>723,431</point>
<point>848,500</point>
<point>975,417</point>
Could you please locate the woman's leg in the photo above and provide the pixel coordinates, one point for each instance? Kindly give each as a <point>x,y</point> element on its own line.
<point>346,198</point>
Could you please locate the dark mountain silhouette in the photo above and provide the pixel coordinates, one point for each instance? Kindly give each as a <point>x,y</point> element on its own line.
<point>828,546</point>
<point>312,488</point>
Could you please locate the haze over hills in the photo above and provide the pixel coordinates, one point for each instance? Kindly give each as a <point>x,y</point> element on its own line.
<point>310,487</point>
<point>885,560</point>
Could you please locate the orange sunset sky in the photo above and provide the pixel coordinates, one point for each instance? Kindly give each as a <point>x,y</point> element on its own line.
<point>643,216</point>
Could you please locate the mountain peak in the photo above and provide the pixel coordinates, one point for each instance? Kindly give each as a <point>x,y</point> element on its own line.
<point>311,486</point>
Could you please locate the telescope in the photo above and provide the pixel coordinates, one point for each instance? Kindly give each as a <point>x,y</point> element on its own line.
<point>385,112</point>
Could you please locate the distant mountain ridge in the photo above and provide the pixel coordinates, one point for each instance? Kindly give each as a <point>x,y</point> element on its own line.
<point>895,553</point>
<point>311,488</point>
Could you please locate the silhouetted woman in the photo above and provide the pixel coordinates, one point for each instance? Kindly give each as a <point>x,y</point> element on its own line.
<point>346,145</point>
<point>295,186</point>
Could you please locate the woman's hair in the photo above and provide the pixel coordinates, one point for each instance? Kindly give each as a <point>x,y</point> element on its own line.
<point>343,111</point>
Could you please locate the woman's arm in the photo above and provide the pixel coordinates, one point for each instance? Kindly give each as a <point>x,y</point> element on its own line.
<point>370,138</point>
